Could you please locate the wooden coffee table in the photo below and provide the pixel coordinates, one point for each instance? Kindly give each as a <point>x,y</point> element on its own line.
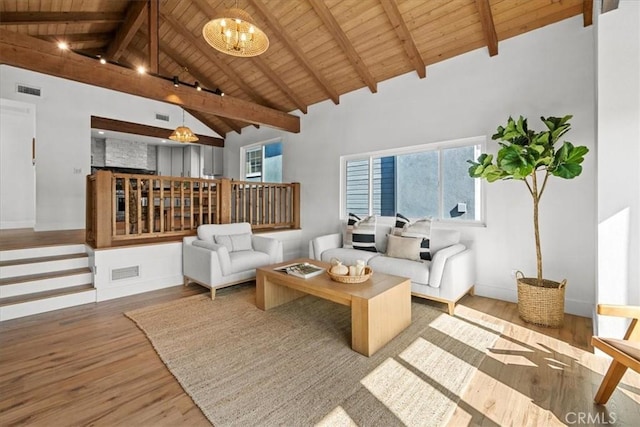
<point>380,307</point>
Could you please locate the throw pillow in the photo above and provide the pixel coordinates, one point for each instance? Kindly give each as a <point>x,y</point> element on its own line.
<point>347,239</point>
<point>224,240</point>
<point>401,221</point>
<point>241,242</point>
<point>403,247</point>
<point>235,242</point>
<point>422,229</point>
<point>364,234</point>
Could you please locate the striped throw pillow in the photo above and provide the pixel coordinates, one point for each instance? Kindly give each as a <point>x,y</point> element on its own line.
<point>364,234</point>
<point>401,221</point>
<point>420,228</point>
<point>347,239</point>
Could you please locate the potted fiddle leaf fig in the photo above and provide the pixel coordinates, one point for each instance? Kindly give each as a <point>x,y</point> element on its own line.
<point>534,157</point>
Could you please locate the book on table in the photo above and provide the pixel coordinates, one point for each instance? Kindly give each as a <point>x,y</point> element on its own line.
<point>301,269</point>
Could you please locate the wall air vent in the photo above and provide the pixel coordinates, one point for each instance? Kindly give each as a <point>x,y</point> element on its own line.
<point>163,117</point>
<point>125,272</point>
<point>28,90</point>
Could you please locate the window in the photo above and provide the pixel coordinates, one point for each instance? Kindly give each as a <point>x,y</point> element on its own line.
<point>430,180</point>
<point>263,162</point>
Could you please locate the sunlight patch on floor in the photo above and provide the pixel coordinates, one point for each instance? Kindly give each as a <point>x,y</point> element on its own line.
<point>337,418</point>
<point>405,394</point>
<point>438,364</point>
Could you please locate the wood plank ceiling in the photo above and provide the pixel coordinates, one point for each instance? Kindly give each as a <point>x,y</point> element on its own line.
<point>319,49</point>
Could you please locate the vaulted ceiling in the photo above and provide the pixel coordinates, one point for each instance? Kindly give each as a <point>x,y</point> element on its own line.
<point>319,49</point>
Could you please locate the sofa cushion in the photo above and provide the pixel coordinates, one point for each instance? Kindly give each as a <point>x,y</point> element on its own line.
<point>247,260</point>
<point>417,271</point>
<point>404,247</point>
<point>347,256</point>
<point>364,234</point>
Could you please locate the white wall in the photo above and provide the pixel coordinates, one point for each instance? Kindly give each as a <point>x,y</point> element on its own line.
<point>63,144</point>
<point>618,107</point>
<point>545,72</point>
<point>159,266</point>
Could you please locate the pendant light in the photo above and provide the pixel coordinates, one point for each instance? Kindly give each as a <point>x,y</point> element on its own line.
<point>183,133</point>
<point>235,33</point>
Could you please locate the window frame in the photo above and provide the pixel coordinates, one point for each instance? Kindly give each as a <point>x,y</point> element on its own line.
<point>251,147</point>
<point>439,147</point>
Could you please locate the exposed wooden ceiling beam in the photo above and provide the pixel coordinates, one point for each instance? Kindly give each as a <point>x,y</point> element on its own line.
<point>262,65</point>
<point>281,32</point>
<point>132,22</point>
<point>139,55</point>
<point>395,17</point>
<point>205,81</point>
<point>41,56</point>
<point>138,129</point>
<point>199,116</point>
<point>36,18</point>
<point>336,31</point>
<point>484,9</point>
<point>206,50</point>
<point>587,12</point>
<point>78,38</point>
<point>153,21</point>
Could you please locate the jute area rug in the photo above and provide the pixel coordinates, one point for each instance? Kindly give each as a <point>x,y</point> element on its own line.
<point>293,365</point>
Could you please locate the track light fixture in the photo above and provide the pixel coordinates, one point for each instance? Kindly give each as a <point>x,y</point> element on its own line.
<point>176,82</point>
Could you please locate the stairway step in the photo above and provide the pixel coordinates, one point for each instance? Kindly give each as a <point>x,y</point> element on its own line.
<point>33,283</point>
<point>41,251</point>
<point>19,299</point>
<point>12,262</point>
<point>41,302</point>
<point>28,266</point>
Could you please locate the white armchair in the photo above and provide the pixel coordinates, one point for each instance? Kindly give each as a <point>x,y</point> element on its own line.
<point>226,254</point>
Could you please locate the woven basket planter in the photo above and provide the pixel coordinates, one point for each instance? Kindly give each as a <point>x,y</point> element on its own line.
<point>541,305</point>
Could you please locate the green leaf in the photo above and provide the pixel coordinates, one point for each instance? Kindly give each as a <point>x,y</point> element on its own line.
<point>568,170</point>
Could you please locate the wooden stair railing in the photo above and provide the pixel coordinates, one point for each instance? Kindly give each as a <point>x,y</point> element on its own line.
<point>125,208</point>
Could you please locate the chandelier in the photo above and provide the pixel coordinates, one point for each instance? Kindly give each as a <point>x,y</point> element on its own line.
<point>234,33</point>
<point>183,133</point>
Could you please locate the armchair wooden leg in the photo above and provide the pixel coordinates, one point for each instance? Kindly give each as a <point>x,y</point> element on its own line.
<point>451,306</point>
<point>610,382</point>
<point>213,293</point>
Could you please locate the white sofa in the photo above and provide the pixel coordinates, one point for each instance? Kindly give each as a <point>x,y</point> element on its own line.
<point>446,278</point>
<point>216,265</point>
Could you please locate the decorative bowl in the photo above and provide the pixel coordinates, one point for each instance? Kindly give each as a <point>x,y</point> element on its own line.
<point>352,279</point>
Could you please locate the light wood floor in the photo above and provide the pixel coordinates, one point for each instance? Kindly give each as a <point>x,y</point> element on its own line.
<point>90,365</point>
<point>21,238</point>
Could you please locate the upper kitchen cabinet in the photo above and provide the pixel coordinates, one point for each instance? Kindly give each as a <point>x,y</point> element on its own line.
<point>212,161</point>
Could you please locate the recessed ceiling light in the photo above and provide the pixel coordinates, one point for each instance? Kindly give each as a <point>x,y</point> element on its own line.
<point>141,70</point>
<point>163,140</point>
<point>63,45</point>
<point>103,61</point>
<point>101,132</point>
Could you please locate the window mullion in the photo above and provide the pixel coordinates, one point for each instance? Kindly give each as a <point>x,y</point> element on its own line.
<point>440,184</point>
<point>370,185</point>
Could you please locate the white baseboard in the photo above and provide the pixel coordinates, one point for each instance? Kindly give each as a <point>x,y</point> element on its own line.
<point>578,308</point>
<point>154,284</point>
<point>5,225</point>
